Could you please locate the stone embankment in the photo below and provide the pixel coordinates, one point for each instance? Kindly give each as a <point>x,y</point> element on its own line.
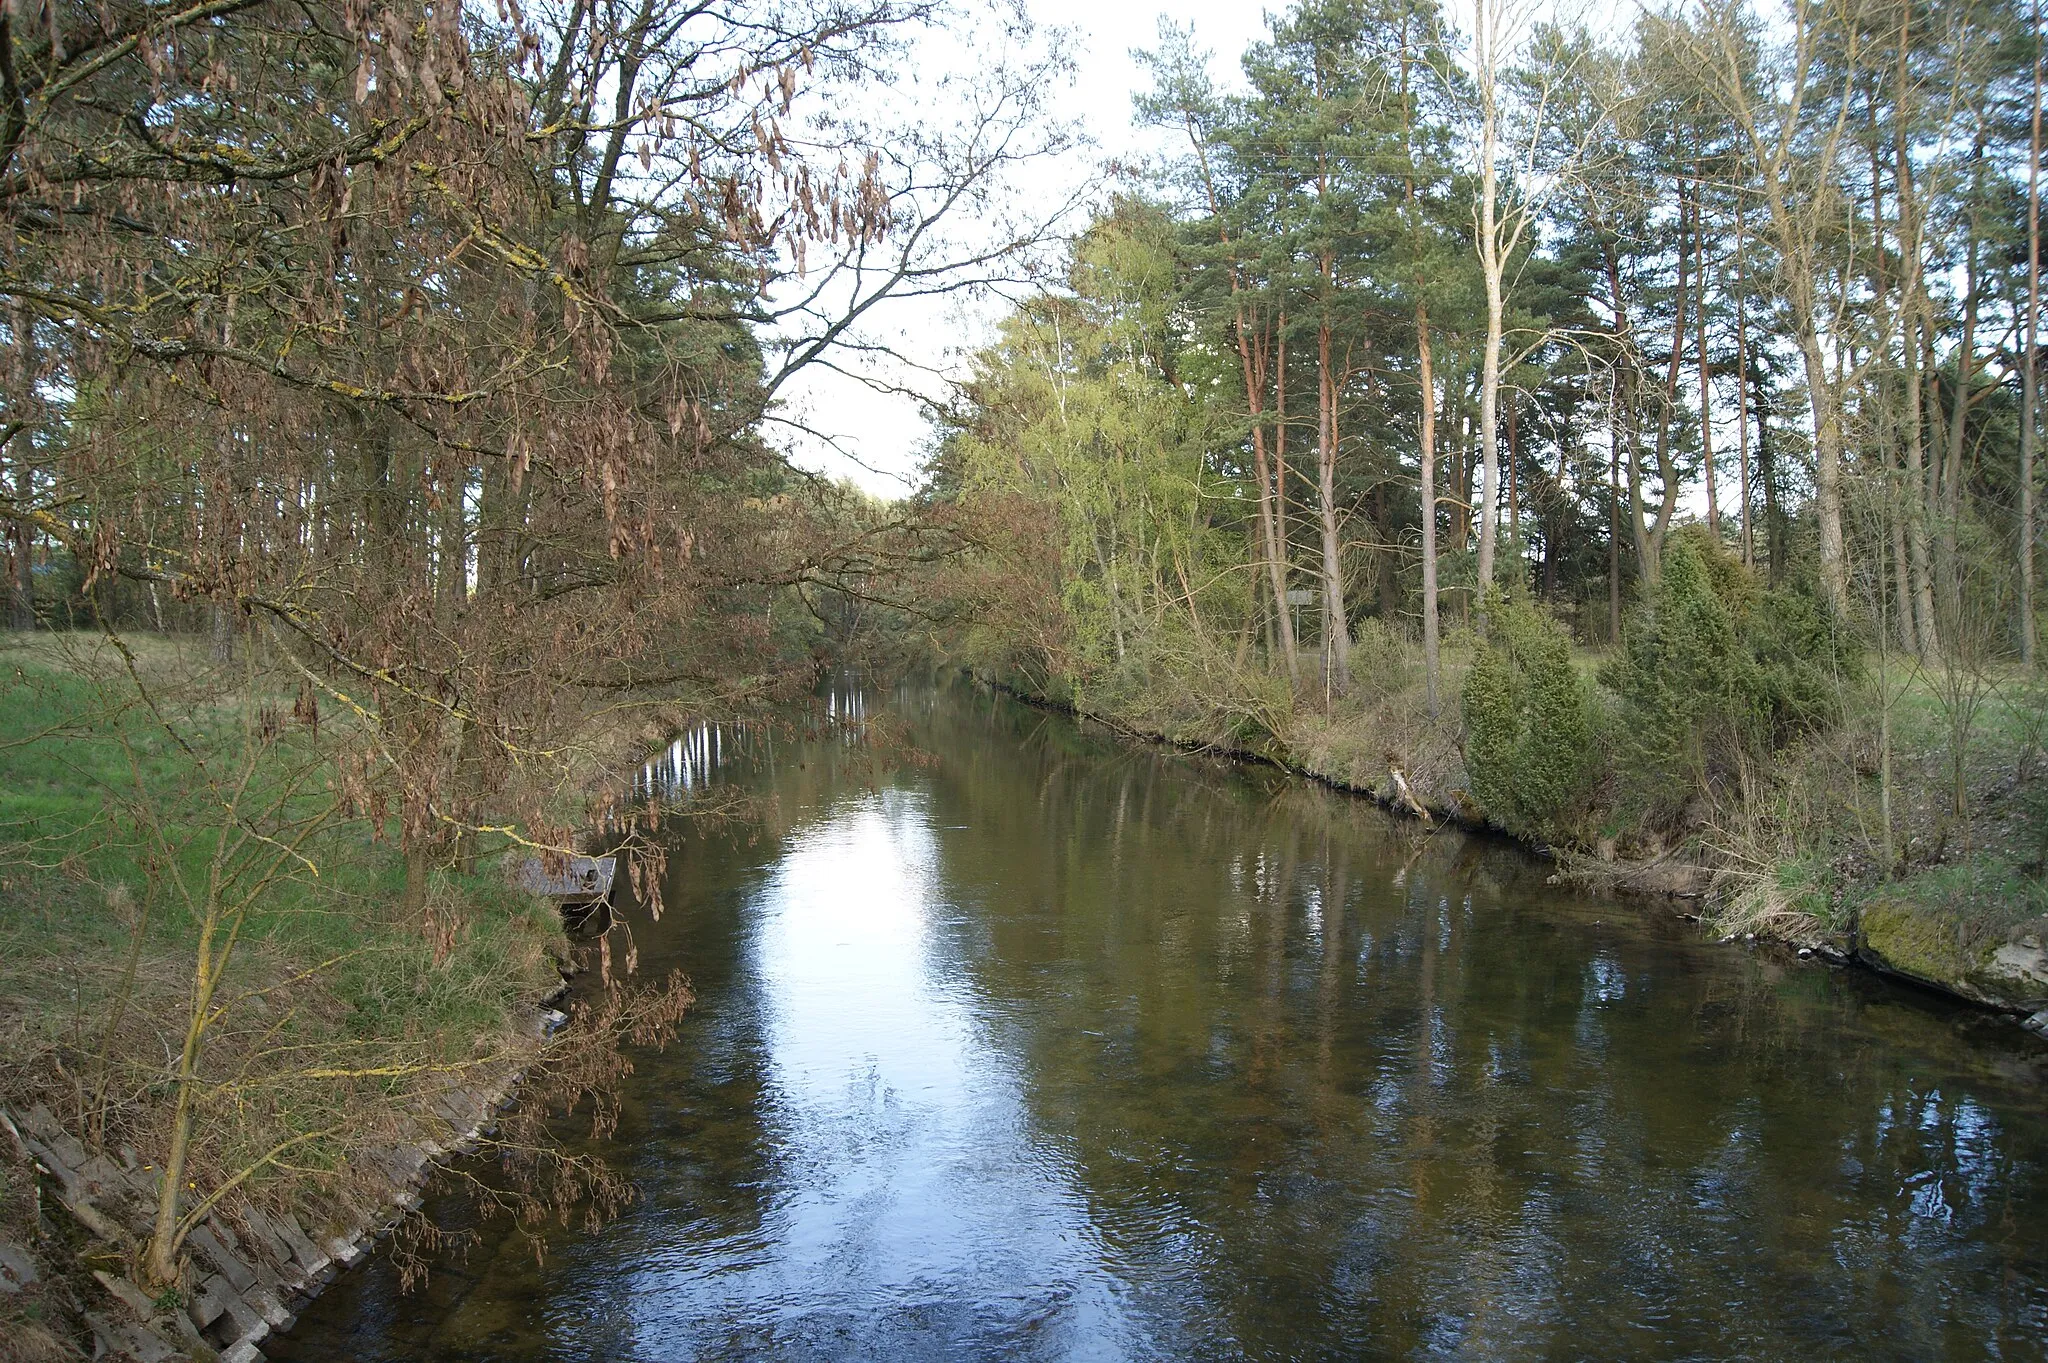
<point>249,1271</point>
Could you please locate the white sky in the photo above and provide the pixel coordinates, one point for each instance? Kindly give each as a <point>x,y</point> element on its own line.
<point>882,436</point>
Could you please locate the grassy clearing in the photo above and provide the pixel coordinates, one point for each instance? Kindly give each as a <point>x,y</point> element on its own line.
<point>123,814</point>
<point>83,888</point>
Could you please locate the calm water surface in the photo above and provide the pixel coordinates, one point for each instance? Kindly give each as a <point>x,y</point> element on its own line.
<point>1036,1045</point>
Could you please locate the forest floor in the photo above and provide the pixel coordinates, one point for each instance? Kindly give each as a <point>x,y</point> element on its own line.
<point>340,1013</point>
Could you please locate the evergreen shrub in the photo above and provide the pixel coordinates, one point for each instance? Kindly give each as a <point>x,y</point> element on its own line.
<point>1529,723</point>
<point>1804,662</point>
<point>1714,671</point>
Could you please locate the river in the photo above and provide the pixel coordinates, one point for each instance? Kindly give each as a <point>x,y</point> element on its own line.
<point>1015,1040</point>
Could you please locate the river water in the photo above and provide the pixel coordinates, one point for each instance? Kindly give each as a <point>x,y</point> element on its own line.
<point>1017,1041</point>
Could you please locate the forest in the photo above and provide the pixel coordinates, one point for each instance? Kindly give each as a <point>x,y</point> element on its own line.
<point>1623,437</point>
<point>1617,431</point>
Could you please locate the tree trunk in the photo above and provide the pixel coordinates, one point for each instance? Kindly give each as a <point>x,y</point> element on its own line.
<point>1954,456</point>
<point>1489,418</point>
<point>1431,643</point>
<point>1926,638</point>
<point>1667,467</point>
<point>1274,546</point>
<point>1386,557</point>
<point>1897,490</point>
<point>2029,379</point>
<point>1775,529</point>
<point>1336,634</point>
<point>1827,445</point>
<point>21,588</point>
<point>1432,660</point>
<point>160,1259</point>
<point>1468,476</point>
<point>1649,542</point>
<point>1614,527</point>
<point>1706,376</point>
<point>1795,227</point>
<point>1918,603</point>
<point>452,580</point>
<point>1283,532</point>
<point>1275,550</point>
<point>1514,521</point>
<point>1742,390</point>
<point>1486,64</point>
<point>1902,578</point>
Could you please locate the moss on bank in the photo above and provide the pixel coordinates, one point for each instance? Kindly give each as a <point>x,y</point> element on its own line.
<point>1977,928</point>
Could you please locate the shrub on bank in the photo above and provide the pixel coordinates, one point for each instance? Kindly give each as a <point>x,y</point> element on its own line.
<point>1687,688</point>
<point>1805,662</point>
<point>1714,673</point>
<point>1529,723</point>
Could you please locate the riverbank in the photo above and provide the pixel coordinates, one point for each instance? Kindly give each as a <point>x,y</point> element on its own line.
<point>250,1270</point>
<point>1800,862</point>
<point>346,1046</point>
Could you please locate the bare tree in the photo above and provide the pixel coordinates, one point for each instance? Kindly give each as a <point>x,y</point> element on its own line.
<point>1498,230</point>
<point>1795,166</point>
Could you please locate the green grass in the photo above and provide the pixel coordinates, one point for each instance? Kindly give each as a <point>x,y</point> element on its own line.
<point>1989,888</point>
<point>97,941</point>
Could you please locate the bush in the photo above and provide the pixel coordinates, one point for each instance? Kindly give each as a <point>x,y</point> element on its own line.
<point>1689,690</point>
<point>1383,663</point>
<point>1803,661</point>
<point>1715,671</point>
<point>1528,722</point>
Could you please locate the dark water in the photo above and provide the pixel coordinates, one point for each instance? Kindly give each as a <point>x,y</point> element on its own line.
<point>1043,1046</point>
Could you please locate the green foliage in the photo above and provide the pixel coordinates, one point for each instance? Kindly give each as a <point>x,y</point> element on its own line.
<point>1689,690</point>
<point>1086,424</point>
<point>1528,721</point>
<point>1804,662</point>
<point>1715,671</point>
<point>1383,663</point>
<point>82,887</point>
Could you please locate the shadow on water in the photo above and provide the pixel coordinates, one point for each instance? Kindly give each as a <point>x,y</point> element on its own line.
<point>1018,1042</point>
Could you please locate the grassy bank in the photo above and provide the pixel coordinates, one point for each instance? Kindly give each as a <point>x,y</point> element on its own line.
<point>167,822</point>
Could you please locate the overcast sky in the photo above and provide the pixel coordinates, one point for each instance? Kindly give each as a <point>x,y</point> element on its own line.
<point>881,438</point>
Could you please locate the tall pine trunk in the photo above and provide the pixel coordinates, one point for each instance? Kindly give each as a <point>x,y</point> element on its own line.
<point>1667,465</point>
<point>1336,633</point>
<point>1742,390</point>
<point>1274,549</point>
<point>1432,663</point>
<point>1706,373</point>
<point>2029,380</point>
